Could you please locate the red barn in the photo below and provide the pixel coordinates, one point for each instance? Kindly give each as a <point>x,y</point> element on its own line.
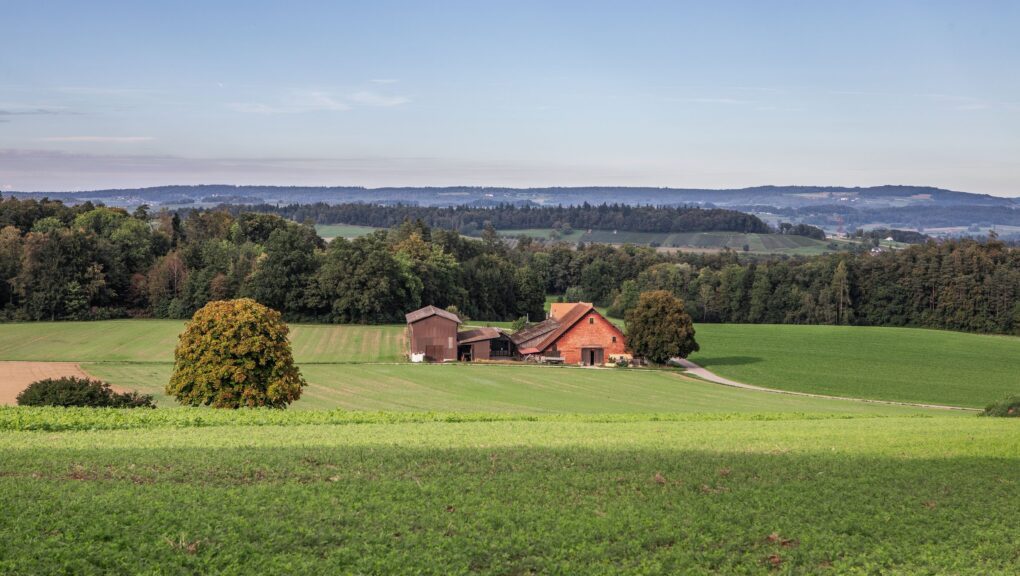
<point>574,332</point>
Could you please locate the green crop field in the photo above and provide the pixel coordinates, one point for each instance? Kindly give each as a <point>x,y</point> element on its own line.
<point>596,495</point>
<point>903,364</point>
<point>330,231</point>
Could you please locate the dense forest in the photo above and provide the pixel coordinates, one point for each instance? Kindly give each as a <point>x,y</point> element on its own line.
<point>89,262</point>
<point>470,219</point>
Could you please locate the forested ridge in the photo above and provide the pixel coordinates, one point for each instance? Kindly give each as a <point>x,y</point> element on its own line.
<point>87,262</point>
<point>469,219</point>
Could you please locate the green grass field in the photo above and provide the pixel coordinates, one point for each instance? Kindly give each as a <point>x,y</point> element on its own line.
<point>548,495</point>
<point>495,469</point>
<point>330,231</point>
<point>901,364</point>
<point>506,389</point>
<point>347,366</point>
<point>154,341</point>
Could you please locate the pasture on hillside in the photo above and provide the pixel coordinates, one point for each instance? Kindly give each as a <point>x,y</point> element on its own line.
<point>331,231</point>
<point>346,365</point>
<point>155,340</point>
<point>598,495</point>
<point>505,389</point>
<point>901,364</point>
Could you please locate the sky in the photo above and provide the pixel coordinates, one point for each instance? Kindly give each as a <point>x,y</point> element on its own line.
<point>721,94</point>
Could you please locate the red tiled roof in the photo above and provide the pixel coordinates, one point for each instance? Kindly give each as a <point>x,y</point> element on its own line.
<point>423,313</point>
<point>559,309</point>
<point>566,321</point>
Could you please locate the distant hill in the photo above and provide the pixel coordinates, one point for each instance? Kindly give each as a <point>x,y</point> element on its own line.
<point>832,207</point>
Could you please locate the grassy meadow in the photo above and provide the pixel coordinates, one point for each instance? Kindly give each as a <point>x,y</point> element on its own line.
<point>387,467</point>
<point>505,389</point>
<point>155,340</point>
<point>363,368</point>
<point>903,364</point>
<point>728,495</point>
<point>330,231</point>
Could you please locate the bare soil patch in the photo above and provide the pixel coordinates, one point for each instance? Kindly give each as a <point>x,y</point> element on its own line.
<point>16,376</point>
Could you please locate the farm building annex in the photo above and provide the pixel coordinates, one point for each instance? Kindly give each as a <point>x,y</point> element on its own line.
<point>574,333</point>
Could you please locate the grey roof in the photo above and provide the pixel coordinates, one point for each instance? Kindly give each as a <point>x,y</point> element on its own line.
<point>423,313</point>
<point>535,333</point>
<point>478,335</point>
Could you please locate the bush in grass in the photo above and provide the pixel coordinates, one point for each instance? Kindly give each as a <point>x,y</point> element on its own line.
<point>73,391</point>
<point>232,354</point>
<point>1006,408</point>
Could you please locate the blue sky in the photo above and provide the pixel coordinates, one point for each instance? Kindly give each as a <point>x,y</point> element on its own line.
<point>686,94</point>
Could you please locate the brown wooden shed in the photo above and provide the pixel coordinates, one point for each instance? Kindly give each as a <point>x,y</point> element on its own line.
<point>432,332</point>
<point>484,344</point>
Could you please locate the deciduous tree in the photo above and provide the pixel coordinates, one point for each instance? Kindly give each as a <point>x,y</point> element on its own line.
<point>233,354</point>
<point>659,328</point>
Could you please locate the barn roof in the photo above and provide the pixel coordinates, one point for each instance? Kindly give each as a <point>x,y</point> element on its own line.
<point>559,309</point>
<point>542,335</point>
<point>478,335</point>
<point>525,337</point>
<point>423,313</point>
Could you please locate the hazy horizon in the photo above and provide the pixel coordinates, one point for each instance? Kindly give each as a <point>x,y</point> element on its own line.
<point>115,94</point>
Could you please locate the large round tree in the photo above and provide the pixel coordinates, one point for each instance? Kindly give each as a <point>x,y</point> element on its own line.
<point>658,328</point>
<point>235,353</point>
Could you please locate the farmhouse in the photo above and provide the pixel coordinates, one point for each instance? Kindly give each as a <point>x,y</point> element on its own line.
<point>576,333</point>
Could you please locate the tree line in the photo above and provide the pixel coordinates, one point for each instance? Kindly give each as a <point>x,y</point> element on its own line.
<point>471,219</point>
<point>89,262</point>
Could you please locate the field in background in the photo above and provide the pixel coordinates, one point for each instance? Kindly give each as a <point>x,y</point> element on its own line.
<point>330,231</point>
<point>732,496</point>
<point>363,367</point>
<point>699,241</point>
<point>904,364</point>
<point>155,340</point>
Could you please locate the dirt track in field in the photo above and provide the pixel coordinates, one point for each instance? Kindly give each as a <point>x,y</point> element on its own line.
<point>15,376</point>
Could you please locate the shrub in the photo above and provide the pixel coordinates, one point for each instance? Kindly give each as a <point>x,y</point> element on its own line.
<point>1005,408</point>
<point>622,363</point>
<point>235,353</point>
<point>73,391</point>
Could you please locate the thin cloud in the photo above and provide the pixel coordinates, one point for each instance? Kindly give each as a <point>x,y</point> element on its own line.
<point>96,139</point>
<point>302,101</point>
<point>709,100</point>
<point>369,98</point>
<point>32,111</point>
<point>384,80</point>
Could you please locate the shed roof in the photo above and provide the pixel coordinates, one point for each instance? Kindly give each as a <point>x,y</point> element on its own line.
<point>423,313</point>
<point>525,337</point>
<point>478,335</point>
